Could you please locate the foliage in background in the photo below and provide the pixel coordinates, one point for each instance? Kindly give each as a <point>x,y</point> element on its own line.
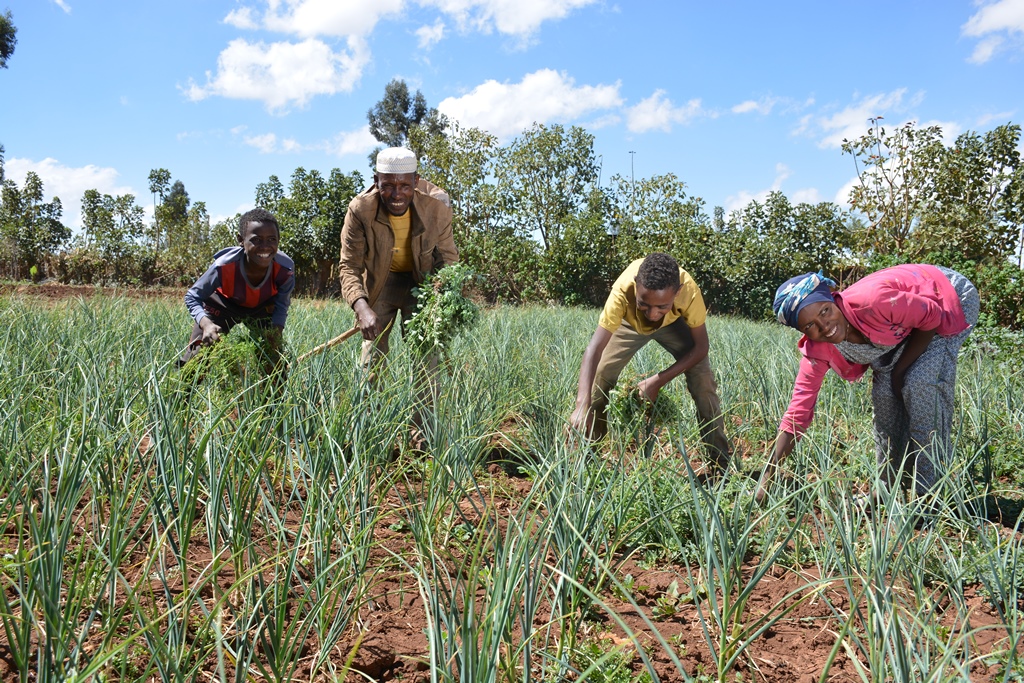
<point>8,38</point>
<point>30,229</point>
<point>311,215</point>
<point>535,219</point>
<point>765,244</point>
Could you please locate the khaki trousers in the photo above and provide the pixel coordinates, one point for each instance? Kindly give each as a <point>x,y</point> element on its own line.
<point>700,382</point>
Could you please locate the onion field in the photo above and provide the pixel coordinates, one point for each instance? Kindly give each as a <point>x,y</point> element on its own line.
<point>159,526</point>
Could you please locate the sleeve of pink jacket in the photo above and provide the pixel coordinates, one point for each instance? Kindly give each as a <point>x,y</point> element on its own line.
<point>805,395</point>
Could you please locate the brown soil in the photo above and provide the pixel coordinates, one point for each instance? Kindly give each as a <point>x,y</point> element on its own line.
<point>56,292</point>
<point>390,644</point>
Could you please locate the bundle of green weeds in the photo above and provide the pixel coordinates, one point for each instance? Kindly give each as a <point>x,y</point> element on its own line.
<point>632,414</point>
<point>443,311</point>
<point>234,362</point>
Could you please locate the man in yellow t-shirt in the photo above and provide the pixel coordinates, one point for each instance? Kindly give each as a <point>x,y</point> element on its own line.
<point>652,299</point>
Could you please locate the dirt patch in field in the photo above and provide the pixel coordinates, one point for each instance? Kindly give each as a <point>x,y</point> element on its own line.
<point>393,644</point>
<point>388,641</point>
<point>57,292</point>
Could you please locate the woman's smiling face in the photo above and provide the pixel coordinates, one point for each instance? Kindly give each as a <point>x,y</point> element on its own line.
<point>822,321</point>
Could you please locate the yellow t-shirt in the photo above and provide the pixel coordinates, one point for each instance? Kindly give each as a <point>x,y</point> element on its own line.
<point>621,304</point>
<point>401,255</point>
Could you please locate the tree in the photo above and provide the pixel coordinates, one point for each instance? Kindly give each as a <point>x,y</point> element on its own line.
<point>8,38</point>
<point>113,226</point>
<point>31,227</point>
<point>460,160</point>
<point>580,268</point>
<point>311,215</point>
<point>655,214</point>
<point>544,179</point>
<point>391,118</point>
<point>896,173</point>
<point>976,208</point>
<point>397,113</point>
<point>764,244</point>
<point>270,194</point>
<point>159,181</point>
<point>176,205</point>
<point>719,220</point>
<point>921,197</point>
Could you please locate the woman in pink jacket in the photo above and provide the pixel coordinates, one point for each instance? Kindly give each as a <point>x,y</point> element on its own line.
<point>907,323</point>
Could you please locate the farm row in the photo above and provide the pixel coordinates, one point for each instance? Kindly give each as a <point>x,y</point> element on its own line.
<point>154,529</point>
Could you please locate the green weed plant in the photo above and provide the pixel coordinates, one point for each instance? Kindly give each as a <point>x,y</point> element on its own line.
<point>228,367</point>
<point>443,312</point>
<point>636,418</point>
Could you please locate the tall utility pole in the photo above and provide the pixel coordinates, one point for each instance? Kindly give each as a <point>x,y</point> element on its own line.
<point>632,186</point>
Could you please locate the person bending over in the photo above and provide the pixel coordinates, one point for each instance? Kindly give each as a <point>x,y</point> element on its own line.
<point>251,283</point>
<point>907,323</point>
<point>653,299</point>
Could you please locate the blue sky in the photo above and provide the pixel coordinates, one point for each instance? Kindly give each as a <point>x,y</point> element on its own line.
<point>736,98</point>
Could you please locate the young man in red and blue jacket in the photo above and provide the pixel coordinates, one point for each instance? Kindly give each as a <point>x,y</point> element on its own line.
<point>250,283</point>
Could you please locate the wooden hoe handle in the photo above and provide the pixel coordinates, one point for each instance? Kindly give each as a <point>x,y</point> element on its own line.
<point>326,345</point>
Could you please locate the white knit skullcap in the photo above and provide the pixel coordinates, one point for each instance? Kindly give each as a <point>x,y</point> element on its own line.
<point>396,160</point>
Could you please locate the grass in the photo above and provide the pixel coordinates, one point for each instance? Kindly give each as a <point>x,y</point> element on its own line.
<point>156,526</point>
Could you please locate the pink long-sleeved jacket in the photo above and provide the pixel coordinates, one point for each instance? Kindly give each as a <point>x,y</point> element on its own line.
<point>885,307</point>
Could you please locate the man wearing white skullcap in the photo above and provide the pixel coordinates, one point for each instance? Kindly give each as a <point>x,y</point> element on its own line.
<point>395,234</point>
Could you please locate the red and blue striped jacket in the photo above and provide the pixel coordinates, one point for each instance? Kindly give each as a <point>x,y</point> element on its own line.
<point>227,278</point>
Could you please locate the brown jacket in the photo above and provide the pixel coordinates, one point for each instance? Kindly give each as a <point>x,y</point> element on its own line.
<point>367,243</point>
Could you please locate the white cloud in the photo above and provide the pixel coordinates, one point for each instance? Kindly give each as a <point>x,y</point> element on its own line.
<point>519,18</point>
<point>506,109</point>
<point>64,6</point>
<point>243,18</point>
<point>984,50</point>
<point>658,113</point>
<point>430,35</point>
<point>807,195</point>
<point>852,122</point>
<point>68,183</point>
<point>993,23</point>
<point>265,143</point>
<point>767,104</point>
<point>357,141</point>
<point>283,73</point>
<point>762,106</point>
<point>741,199</point>
<point>340,18</point>
<point>1002,117</point>
<point>602,122</point>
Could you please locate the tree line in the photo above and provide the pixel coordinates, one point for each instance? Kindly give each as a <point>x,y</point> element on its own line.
<point>534,217</point>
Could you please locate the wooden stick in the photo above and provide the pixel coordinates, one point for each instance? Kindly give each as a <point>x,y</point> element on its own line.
<point>326,345</point>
